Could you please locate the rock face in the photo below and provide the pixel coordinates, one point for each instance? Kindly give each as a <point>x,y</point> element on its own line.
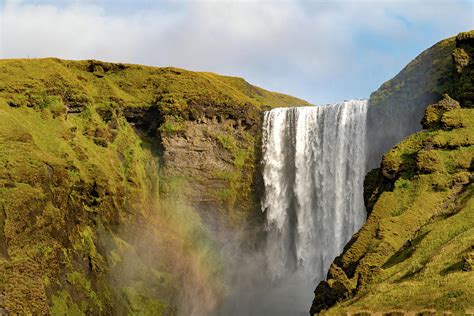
<point>413,253</point>
<point>108,175</point>
<point>218,167</point>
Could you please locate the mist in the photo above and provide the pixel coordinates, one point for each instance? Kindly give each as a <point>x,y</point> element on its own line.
<point>313,169</point>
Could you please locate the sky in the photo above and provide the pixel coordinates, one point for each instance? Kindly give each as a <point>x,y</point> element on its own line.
<point>321,51</point>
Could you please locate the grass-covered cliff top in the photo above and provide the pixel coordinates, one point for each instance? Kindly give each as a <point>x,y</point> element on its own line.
<point>23,82</point>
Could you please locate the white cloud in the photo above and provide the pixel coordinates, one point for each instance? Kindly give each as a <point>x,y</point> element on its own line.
<point>307,48</point>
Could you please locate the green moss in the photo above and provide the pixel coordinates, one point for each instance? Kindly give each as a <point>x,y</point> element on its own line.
<point>143,305</point>
<point>172,127</point>
<point>461,58</point>
<point>173,185</point>
<point>175,90</point>
<point>228,142</point>
<point>429,161</point>
<point>456,119</point>
<point>401,160</point>
<point>61,185</point>
<point>62,304</point>
<point>79,280</point>
<point>434,112</point>
<point>465,35</point>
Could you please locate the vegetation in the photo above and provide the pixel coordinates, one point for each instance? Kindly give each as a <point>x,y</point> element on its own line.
<point>92,220</point>
<point>178,92</point>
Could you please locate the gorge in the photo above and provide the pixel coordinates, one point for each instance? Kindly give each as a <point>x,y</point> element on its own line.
<point>127,189</point>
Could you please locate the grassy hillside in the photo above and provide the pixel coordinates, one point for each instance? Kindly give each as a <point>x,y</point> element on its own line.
<point>79,83</point>
<point>92,218</point>
<point>415,252</point>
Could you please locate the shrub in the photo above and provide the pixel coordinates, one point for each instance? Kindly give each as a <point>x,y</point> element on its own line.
<point>57,107</point>
<point>172,126</point>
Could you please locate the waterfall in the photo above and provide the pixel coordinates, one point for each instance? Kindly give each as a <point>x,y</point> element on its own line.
<point>314,162</point>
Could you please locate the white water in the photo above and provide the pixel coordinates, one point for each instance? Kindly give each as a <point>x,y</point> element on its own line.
<point>314,166</point>
<point>314,162</point>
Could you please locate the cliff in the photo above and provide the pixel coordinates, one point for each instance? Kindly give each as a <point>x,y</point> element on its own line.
<point>109,173</point>
<point>397,107</point>
<point>415,252</point>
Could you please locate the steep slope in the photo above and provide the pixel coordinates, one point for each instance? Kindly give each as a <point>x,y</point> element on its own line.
<point>102,168</point>
<point>415,252</point>
<point>397,107</point>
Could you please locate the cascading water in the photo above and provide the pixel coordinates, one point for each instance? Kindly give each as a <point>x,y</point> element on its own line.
<point>314,166</point>
<point>314,161</point>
